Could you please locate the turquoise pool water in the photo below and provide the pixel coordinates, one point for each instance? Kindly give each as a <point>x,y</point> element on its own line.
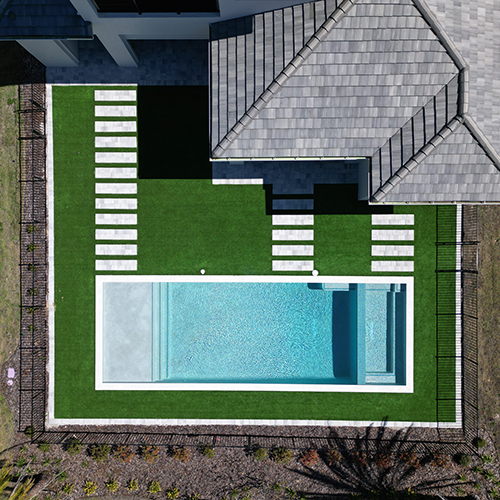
<point>278,333</point>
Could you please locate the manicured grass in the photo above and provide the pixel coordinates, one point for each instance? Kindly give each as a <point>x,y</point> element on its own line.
<point>185,225</point>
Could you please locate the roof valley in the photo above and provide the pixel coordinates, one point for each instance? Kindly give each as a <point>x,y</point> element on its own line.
<point>277,83</point>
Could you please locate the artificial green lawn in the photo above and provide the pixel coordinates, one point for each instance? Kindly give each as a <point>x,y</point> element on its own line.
<point>185,225</point>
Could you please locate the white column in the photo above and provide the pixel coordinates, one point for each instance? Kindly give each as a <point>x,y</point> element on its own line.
<point>118,47</point>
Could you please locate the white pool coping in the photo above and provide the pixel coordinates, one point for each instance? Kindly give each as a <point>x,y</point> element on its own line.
<point>100,385</point>
<point>53,422</point>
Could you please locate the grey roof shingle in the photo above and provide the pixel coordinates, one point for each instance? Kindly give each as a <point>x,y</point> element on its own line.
<point>473,25</point>
<point>42,19</point>
<point>458,170</point>
<point>367,74</point>
<point>379,79</point>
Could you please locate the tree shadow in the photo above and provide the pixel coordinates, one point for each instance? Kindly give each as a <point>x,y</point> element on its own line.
<point>380,463</point>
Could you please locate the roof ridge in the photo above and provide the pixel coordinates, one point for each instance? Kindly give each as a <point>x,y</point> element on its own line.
<point>275,86</point>
<point>451,49</point>
<point>417,158</point>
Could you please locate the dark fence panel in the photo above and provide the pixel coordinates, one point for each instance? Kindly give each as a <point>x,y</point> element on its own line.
<point>33,245</point>
<point>456,285</point>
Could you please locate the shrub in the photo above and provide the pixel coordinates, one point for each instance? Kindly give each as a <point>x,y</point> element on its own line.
<point>154,487</point>
<point>62,476</point>
<point>194,496</point>
<point>112,485</point>
<point>464,460</point>
<point>31,228</point>
<point>44,447</point>
<point>133,485</point>
<point>68,488</point>
<point>208,451</point>
<point>181,454</point>
<point>89,488</point>
<point>383,460</point>
<point>150,453</point>
<point>21,462</point>
<point>99,452</point>
<point>282,455</point>
<point>411,459</point>
<point>333,456</point>
<point>172,493</point>
<point>33,292</point>
<point>486,459</point>
<point>488,474</point>
<point>30,430</point>
<point>32,328</point>
<point>124,453</point>
<point>480,442</point>
<point>260,454</point>
<point>439,459</point>
<point>32,247</point>
<point>31,310</point>
<point>309,458</point>
<point>360,458</point>
<point>32,267</point>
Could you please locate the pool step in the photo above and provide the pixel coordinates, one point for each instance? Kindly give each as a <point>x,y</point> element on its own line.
<point>159,351</point>
<point>376,319</point>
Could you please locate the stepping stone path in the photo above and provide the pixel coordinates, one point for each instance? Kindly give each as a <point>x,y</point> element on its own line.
<point>116,113</point>
<point>389,240</point>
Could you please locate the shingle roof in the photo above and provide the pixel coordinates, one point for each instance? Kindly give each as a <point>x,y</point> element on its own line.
<point>473,25</point>
<point>376,78</point>
<point>459,170</point>
<point>21,19</point>
<point>371,72</point>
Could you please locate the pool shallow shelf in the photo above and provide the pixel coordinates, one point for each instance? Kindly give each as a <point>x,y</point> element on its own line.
<point>229,332</point>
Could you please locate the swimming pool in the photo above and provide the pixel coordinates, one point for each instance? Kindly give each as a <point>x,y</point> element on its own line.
<point>252,333</point>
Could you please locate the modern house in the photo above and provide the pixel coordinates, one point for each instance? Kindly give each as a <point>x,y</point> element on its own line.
<point>396,97</point>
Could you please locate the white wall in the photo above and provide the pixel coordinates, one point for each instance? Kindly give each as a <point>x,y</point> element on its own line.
<point>114,29</point>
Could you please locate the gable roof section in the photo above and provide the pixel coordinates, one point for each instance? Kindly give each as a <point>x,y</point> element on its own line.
<point>473,25</point>
<point>363,78</point>
<point>460,169</point>
<point>22,19</point>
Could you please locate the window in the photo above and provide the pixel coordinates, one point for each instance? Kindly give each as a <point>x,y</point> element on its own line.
<point>140,6</point>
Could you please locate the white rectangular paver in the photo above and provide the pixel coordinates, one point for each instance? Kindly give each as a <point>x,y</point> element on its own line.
<point>293,250</point>
<point>293,220</point>
<point>293,265</point>
<point>116,234</point>
<point>115,95</point>
<point>120,219</point>
<point>293,234</point>
<point>116,157</point>
<point>392,234</point>
<point>121,141</point>
<point>240,182</point>
<point>116,265</point>
<point>392,266</point>
<point>116,249</point>
<point>393,219</point>
<point>118,126</point>
<point>116,204</point>
<point>115,173</point>
<point>116,111</point>
<point>116,188</point>
<point>392,250</point>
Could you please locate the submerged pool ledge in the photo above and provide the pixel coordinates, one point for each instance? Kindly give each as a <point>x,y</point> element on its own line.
<point>101,383</point>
